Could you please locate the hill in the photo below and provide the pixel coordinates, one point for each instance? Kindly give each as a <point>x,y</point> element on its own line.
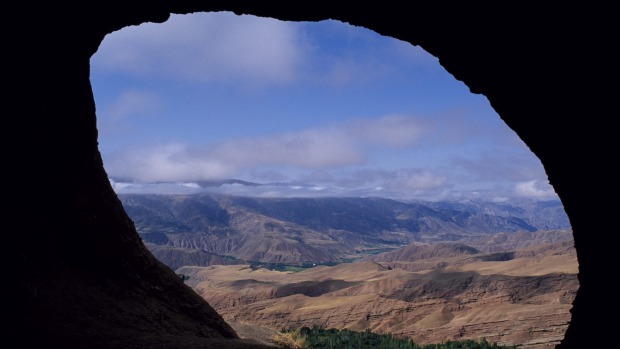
<point>427,271</point>
<point>525,300</point>
<point>321,230</point>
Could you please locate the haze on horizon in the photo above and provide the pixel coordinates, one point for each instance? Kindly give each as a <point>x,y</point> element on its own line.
<point>307,109</point>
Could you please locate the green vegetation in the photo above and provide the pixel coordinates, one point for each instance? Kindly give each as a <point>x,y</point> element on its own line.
<point>317,337</point>
<point>294,269</point>
<point>289,266</point>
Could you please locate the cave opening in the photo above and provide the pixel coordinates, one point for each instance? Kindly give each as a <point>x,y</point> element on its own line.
<point>177,154</point>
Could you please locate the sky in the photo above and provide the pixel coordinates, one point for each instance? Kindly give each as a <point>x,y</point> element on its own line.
<point>302,108</point>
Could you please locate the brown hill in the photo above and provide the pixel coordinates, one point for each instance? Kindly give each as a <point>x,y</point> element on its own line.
<point>418,257</point>
<point>524,301</point>
<point>315,230</point>
<point>511,241</point>
<point>176,257</point>
<point>415,252</point>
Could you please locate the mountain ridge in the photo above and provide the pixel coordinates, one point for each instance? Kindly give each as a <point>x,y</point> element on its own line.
<point>318,230</point>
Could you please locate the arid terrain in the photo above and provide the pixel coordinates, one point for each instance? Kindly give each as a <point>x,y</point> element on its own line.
<point>205,229</point>
<point>522,297</point>
<point>427,271</point>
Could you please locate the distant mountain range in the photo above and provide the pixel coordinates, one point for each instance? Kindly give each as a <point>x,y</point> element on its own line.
<point>217,229</point>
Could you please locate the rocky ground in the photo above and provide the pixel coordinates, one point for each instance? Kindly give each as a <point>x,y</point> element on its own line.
<point>255,333</point>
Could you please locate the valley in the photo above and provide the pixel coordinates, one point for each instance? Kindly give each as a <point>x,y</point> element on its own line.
<point>206,227</point>
<point>427,271</point>
<point>524,301</point>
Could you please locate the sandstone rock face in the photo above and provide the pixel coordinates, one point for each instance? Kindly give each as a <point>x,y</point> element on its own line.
<point>524,301</point>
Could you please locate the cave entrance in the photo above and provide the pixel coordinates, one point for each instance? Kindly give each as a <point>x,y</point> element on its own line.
<point>256,108</point>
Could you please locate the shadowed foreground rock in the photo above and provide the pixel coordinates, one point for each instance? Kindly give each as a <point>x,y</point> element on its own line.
<point>80,277</point>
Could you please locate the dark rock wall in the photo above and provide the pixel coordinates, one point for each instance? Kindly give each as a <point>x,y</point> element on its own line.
<point>69,241</point>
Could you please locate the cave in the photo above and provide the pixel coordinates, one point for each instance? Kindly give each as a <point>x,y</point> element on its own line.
<point>81,278</point>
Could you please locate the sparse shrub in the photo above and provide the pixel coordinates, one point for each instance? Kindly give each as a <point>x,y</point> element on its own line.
<point>291,339</point>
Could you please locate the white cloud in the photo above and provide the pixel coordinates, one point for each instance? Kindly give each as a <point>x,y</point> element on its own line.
<point>534,189</point>
<point>179,162</point>
<point>171,162</point>
<point>500,164</point>
<point>328,148</point>
<point>155,188</point>
<point>399,183</point>
<point>415,180</point>
<point>226,48</point>
<point>305,149</point>
<point>206,47</point>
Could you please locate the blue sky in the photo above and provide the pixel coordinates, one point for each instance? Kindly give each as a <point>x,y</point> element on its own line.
<point>308,109</point>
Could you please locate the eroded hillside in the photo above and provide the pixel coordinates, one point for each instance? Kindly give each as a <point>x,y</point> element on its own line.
<point>324,230</point>
<point>524,300</point>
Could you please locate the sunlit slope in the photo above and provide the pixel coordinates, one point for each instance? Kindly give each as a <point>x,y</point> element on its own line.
<point>326,230</point>
<point>523,300</point>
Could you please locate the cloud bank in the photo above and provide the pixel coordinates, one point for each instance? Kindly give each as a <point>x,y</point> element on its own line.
<point>359,157</point>
<point>206,47</point>
<point>331,161</point>
<point>335,146</point>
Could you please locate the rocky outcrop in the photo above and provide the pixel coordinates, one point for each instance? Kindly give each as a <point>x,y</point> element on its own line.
<point>176,257</point>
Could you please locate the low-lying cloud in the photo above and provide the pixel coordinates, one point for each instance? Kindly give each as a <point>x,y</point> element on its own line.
<point>415,180</point>
<point>329,148</point>
<point>534,189</point>
<point>166,163</point>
